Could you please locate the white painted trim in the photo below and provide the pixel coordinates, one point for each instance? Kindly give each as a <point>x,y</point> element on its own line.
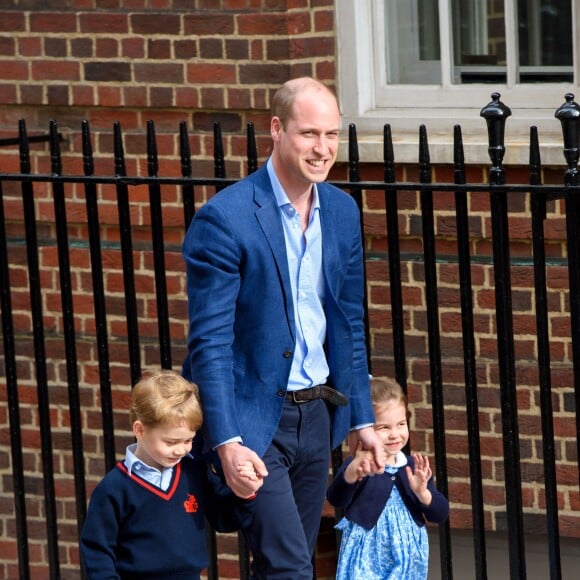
<point>440,107</point>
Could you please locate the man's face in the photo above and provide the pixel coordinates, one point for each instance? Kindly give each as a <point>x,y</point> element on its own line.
<point>306,149</point>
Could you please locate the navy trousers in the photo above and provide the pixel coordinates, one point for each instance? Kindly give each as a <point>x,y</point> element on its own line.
<point>289,505</point>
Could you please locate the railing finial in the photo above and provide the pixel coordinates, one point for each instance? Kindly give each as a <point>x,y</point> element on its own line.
<point>569,114</point>
<point>496,113</point>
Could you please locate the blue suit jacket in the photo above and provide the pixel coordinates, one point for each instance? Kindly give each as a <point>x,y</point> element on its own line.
<point>242,328</point>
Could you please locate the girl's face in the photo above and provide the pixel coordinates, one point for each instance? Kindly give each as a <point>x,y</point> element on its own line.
<point>164,445</point>
<point>392,427</point>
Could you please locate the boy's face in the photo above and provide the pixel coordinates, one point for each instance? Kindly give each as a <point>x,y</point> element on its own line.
<point>164,445</point>
<point>392,427</point>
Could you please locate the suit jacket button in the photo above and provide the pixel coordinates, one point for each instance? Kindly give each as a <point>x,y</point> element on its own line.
<point>287,353</point>
<point>281,393</point>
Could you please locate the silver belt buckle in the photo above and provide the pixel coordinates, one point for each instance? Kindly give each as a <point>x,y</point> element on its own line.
<point>294,398</point>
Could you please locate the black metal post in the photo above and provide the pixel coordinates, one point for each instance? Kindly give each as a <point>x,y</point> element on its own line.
<point>434,340</point>
<point>356,194</point>
<point>68,317</point>
<point>127,255</point>
<point>11,376</point>
<point>469,356</point>
<point>569,116</point>
<point>39,357</point>
<point>155,211</point>
<point>538,205</point>
<point>394,257</point>
<point>187,191</point>
<point>91,204</point>
<point>496,113</point>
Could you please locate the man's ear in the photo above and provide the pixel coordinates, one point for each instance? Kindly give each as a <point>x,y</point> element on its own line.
<point>275,128</point>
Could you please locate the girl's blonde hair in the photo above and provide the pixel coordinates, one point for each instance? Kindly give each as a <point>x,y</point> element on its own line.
<point>388,391</point>
<point>165,397</point>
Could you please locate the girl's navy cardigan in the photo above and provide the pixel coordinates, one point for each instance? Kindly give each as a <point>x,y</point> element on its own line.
<point>364,500</point>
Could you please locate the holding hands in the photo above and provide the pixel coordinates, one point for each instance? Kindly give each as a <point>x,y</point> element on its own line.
<point>367,439</point>
<point>361,466</point>
<point>247,471</point>
<point>243,469</point>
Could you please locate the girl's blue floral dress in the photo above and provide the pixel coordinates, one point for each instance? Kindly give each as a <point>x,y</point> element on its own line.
<point>395,549</point>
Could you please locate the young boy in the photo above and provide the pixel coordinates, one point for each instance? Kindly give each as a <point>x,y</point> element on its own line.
<point>146,517</point>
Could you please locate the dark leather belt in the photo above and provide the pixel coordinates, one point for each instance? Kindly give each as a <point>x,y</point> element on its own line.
<point>318,392</point>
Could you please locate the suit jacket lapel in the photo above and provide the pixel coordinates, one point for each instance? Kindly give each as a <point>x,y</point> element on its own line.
<point>268,216</point>
<point>329,232</point>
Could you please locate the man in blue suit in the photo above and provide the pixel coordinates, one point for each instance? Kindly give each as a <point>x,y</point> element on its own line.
<point>276,344</point>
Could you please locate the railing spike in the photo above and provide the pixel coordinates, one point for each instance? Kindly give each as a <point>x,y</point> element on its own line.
<point>353,158</point>
<point>88,160</point>
<point>24,147</point>
<point>120,169</point>
<point>55,157</point>
<point>218,152</point>
<point>152,159</point>
<point>252,150</point>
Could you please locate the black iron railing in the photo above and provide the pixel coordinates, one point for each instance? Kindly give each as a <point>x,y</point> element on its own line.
<point>495,114</point>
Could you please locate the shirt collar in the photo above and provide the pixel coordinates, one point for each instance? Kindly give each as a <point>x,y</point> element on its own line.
<point>131,460</point>
<point>400,460</point>
<point>280,194</point>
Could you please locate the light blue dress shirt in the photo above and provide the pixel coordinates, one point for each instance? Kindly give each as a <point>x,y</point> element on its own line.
<point>160,479</point>
<point>304,251</point>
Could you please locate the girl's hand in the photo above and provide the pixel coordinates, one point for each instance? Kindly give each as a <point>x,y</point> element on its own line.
<point>361,466</point>
<point>370,442</point>
<point>419,478</point>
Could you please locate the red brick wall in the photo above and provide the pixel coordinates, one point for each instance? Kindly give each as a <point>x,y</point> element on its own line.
<point>168,61</point>
<point>197,61</point>
<point>202,62</point>
<point>453,378</point>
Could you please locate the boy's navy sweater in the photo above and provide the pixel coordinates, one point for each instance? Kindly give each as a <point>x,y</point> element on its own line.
<point>364,500</point>
<point>136,530</point>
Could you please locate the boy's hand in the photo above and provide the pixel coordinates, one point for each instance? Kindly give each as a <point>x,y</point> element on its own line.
<point>246,469</point>
<point>232,455</point>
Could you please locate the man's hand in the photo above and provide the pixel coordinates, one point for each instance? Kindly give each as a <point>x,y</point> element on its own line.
<point>371,442</point>
<point>235,455</point>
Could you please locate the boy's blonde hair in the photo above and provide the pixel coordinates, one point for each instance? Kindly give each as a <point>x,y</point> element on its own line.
<point>388,391</point>
<point>165,397</point>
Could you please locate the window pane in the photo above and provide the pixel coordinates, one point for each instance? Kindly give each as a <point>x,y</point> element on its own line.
<point>542,52</point>
<point>412,43</point>
<point>479,41</point>
<point>545,40</point>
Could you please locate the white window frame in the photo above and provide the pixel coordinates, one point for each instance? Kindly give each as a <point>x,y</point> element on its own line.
<point>367,101</point>
<point>408,41</point>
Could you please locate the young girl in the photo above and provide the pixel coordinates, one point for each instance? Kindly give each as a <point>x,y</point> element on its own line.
<point>383,531</point>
